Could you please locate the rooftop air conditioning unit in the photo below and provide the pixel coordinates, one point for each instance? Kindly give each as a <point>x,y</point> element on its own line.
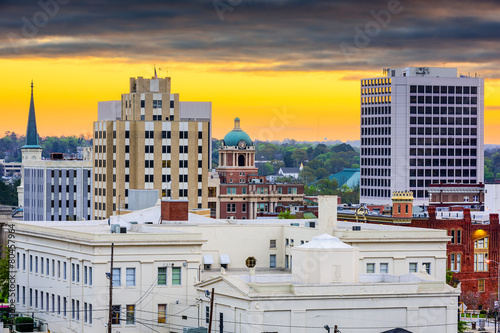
<point>115,228</point>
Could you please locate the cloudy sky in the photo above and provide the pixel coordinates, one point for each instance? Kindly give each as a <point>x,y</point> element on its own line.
<point>287,68</point>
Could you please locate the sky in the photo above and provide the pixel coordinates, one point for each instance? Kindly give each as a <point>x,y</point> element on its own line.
<point>286,68</point>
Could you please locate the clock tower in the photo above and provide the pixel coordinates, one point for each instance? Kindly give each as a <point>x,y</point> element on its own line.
<point>236,156</point>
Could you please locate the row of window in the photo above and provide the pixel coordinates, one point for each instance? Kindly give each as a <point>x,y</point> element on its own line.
<point>450,110</point>
<point>443,89</point>
<point>375,82</point>
<point>443,152</point>
<point>377,131</point>
<point>376,161</point>
<point>50,306</point>
<point>50,268</point>
<point>369,192</point>
<point>384,267</point>
<point>442,121</point>
<point>373,91</point>
<point>376,121</point>
<point>376,151</point>
<point>376,100</point>
<point>376,141</point>
<point>373,110</point>
<point>53,172</point>
<point>443,141</point>
<point>443,131</point>
<point>454,100</point>
<point>376,182</point>
<point>375,172</point>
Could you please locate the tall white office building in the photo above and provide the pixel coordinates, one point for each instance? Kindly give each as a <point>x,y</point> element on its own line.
<point>420,126</point>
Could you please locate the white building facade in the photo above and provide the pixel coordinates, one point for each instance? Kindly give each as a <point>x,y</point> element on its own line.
<point>420,126</point>
<point>163,265</point>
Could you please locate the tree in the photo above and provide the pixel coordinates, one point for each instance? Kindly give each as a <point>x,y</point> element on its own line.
<point>489,302</point>
<point>285,215</point>
<point>471,299</point>
<point>299,156</point>
<point>4,275</point>
<point>287,159</point>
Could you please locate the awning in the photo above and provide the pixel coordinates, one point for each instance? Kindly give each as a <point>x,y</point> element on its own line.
<point>224,259</point>
<point>208,259</point>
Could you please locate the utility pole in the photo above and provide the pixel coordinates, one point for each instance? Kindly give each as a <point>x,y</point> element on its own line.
<point>211,312</point>
<point>110,309</point>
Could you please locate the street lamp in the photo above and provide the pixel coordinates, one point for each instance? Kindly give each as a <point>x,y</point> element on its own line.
<point>498,282</point>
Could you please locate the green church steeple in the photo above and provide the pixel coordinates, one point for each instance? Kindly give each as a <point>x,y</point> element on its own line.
<point>31,133</point>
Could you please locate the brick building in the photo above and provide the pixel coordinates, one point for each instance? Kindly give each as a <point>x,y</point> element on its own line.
<point>472,242</point>
<point>239,191</point>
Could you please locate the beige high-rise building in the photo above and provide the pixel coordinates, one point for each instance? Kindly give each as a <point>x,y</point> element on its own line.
<point>152,146</point>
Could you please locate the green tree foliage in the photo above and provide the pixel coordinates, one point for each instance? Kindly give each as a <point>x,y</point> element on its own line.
<point>286,215</point>
<point>24,324</point>
<point>11,143</point>
<point>4,275</point>
<point>8,193</point>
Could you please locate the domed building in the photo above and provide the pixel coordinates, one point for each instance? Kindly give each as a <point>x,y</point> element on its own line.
<point>242,193</point>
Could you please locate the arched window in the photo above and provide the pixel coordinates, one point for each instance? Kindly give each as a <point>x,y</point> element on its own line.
<point>241,160</point>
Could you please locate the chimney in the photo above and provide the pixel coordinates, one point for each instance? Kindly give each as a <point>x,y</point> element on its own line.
<point>327,213</point>
<point>174,210</point>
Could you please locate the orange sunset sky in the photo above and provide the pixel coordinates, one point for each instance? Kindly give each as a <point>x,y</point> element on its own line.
<point>277,65</point>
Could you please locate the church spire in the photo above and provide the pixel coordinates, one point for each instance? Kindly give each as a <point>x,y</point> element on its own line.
<point>31,133</point>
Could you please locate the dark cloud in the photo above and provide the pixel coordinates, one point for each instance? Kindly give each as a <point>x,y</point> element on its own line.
<point>281,35</point>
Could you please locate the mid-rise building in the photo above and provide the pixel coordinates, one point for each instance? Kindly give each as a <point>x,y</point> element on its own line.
<point>239,191</point>
<point>56,189</point>
<point>151,145</point>
<point>420,126</point>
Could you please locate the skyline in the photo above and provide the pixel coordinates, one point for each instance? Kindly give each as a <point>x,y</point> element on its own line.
<point>287,69</point>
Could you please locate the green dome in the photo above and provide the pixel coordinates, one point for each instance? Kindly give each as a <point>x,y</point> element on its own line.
<point>236,135</point>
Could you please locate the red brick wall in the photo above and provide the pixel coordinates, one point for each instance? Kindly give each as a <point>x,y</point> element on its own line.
<point>174,210</point>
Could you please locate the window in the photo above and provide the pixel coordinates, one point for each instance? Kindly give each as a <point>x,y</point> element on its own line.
<point>90,276</point>
<point>162,276</point>
<point>117,277</point>
<point>64,306</point>
<point>130,314</point>
<point>115,315</point>
<point>384,267</point>
<point>85,280</point>
<point>459,257</point>
<point>85,317</point>
<point>207,314</point>
<point>31,263</point>
<point>427,266</point>
<point>480,285</point>
<point>73,272</point>
<point>272,243</point>
<point>292,190</point>
<point>58,305</point>
<point>24,261</point>
<point>413,267</point>
<point>64,271</point>
<point>130,277</point>
<point>90,313</point>
<point>162,313</point>
<point>272,261</point>
<point>59,269</point>
<point>77,273</point>
<point>176,276</point>
<point>370,268</point>
<point>36,264</point>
